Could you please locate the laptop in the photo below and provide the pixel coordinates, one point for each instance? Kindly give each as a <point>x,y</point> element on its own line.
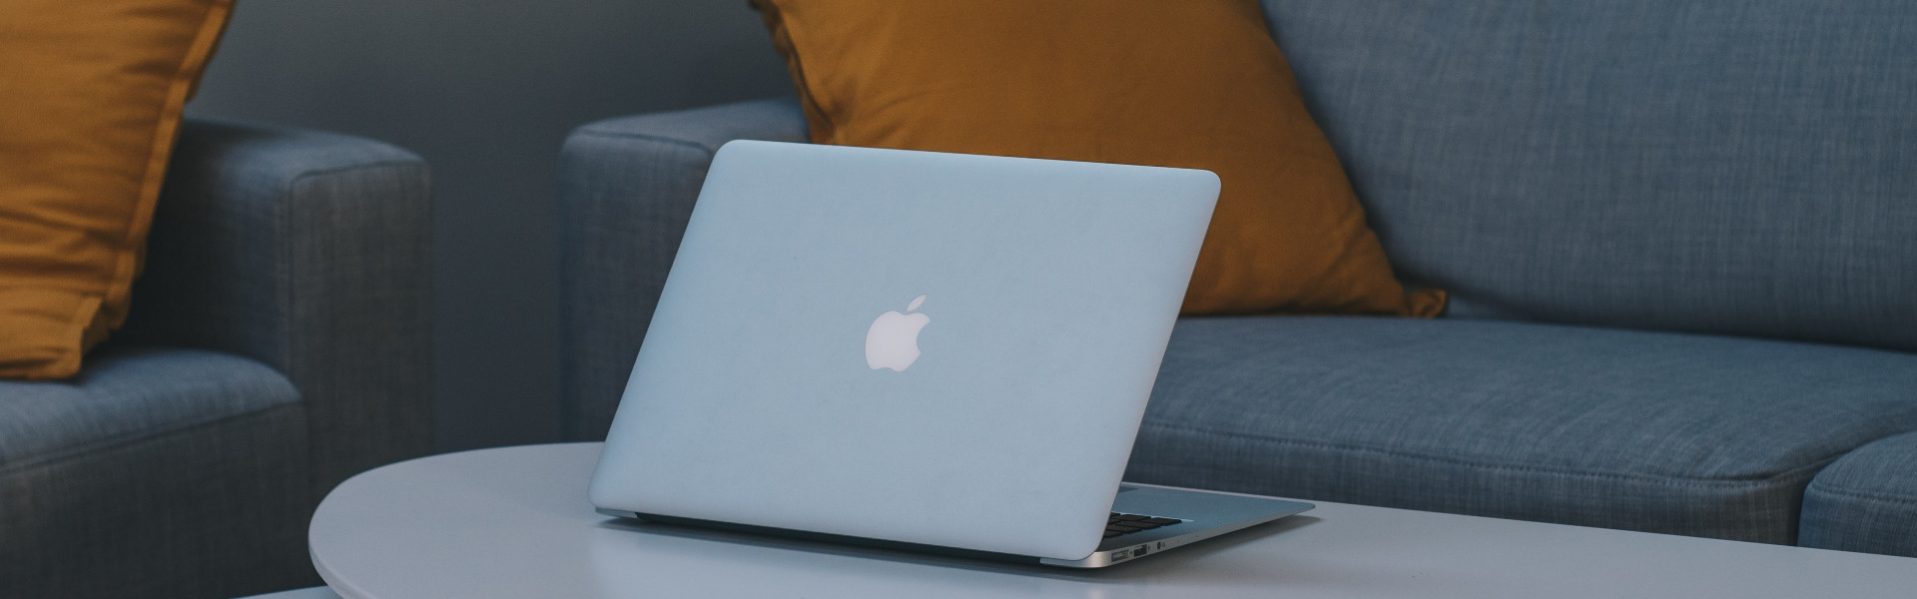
<point>919,350</point>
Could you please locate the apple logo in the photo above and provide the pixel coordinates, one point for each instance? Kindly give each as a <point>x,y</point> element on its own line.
<point>893,340</point>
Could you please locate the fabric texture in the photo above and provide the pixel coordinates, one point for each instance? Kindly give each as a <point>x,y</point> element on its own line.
<point>132,393</point>
<point>1184,84</point>
<point>90,100</point>
<point>155,472</point>
<point>297,266</point>
<point>1661,432</point>
<point>626,190</point>
<point>1866,501</point>
<point>1725,167</point>
<point>311,253</point>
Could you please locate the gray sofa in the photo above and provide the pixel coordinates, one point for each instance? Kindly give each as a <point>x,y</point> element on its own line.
<point>279,342</point>
<point>1680,238</point>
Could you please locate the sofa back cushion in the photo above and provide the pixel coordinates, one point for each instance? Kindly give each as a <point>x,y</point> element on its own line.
<point>1729,167</point>
<point>1186,83</point>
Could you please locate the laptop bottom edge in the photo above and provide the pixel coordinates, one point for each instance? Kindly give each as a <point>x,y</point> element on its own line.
<point>1204,515</point>
<point>824,537</point>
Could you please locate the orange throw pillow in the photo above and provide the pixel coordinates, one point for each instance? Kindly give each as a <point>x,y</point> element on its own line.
<point>1197,84</point>
<point>90,99</point>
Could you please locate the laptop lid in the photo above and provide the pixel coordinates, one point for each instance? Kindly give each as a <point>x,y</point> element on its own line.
<point>929,348</point>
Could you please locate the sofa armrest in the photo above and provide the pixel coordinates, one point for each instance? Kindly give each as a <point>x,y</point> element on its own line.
<point>308,252</point>
<point>626,189</point>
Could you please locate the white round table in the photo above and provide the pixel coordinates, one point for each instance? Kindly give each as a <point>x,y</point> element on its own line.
<point>515,522</point>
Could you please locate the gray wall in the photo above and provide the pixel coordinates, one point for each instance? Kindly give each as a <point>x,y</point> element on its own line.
<point>486,90</point>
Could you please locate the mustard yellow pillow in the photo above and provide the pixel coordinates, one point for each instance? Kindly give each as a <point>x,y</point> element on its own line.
<point>90,98</point>
<point>1187,83</point>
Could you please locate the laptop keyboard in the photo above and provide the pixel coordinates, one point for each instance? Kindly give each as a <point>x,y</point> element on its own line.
<point>1121,524</point>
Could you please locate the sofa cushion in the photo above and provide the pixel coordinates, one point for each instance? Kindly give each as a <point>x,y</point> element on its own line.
<point>125,395</point>
<point>155,472</point>
<point>92,99</point>
<point>1663,432</point>
<point>1185,84</point>
<point>1866,500</point>
<point>1724,167</point>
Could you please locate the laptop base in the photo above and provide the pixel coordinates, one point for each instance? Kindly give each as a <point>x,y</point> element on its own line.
<point>1205,514</point>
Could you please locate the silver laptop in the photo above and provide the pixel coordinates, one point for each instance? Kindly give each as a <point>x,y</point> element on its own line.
<point>921,350</point>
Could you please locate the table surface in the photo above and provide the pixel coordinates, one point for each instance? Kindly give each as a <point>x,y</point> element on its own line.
<point>514,522</point>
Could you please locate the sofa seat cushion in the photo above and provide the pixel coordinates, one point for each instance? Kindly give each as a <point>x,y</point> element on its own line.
<point>154,473</point>
<point>126,395</point>
<point>1866,500</point>
<point>1663,432</point>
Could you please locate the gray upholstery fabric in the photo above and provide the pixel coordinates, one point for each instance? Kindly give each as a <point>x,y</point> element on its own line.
<point>309,252</point>
<point>1731,167</point>
<point>626,189</point>
<point>129,393</point>
<point>294,264</point>
<point>1866,500</point>
<point>1675,433</point>
<point>157,473</point>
